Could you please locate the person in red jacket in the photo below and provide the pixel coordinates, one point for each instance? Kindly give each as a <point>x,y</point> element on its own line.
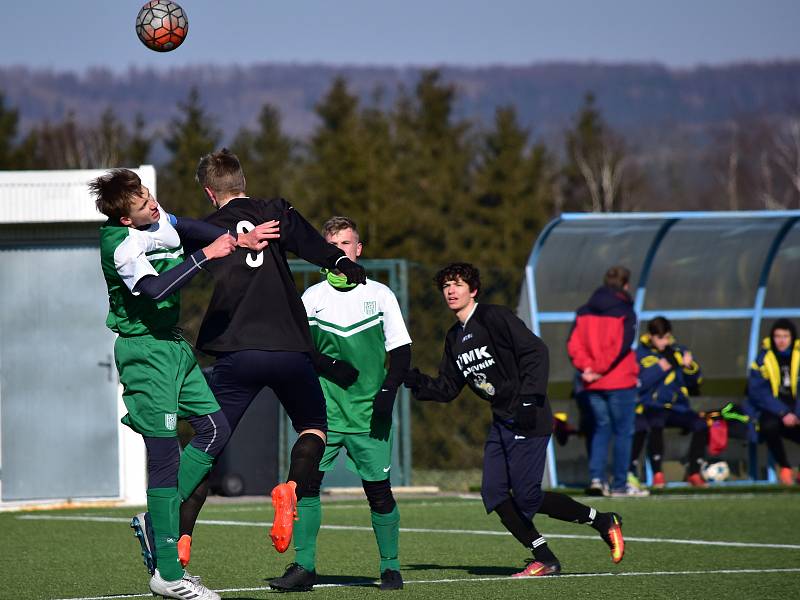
<point>600,349</point>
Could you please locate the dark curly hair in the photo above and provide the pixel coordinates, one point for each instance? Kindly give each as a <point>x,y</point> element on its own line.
<point>466,272</point>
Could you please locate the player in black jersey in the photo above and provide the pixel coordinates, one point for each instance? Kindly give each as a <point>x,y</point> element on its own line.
<point>256,326</point>
<point>496,355</point>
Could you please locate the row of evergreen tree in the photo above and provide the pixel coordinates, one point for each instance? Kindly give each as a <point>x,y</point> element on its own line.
<point>422,184</point>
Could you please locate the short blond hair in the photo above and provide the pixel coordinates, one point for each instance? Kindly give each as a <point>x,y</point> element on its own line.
<point>336,224</point>
<point>221,172</point>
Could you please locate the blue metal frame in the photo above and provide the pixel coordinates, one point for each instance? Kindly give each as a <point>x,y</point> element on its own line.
<point>755,314</point>
<point>530,280</point>
<point>680,215</point>
<point>758,305</point>
<point>644,276</point>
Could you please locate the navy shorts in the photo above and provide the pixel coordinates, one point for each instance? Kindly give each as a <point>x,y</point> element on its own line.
<point>239,376</point>
<point>513,465</point>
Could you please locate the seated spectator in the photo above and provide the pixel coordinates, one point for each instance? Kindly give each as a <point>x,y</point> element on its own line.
<point>772,393</point>
<point>667,375</point>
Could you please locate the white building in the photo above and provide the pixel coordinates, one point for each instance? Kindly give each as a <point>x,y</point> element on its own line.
<point>60,400</point>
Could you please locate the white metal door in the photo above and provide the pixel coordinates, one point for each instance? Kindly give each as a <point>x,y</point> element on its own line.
<point>58,383</point>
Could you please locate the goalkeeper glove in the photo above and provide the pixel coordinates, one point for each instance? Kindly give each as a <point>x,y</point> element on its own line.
<point>355,273</point>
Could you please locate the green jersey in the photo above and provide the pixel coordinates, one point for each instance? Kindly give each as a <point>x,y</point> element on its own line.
<point>127,255</point>
<point>360,326</point>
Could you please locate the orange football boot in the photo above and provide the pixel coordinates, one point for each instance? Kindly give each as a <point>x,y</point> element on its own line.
<point>284,502</point>
<point>785,476</point>
<point>535,568</point>
<point>696,480</point>
<point>613,537</point>
<point>659,481</point>
<point>185,549</point>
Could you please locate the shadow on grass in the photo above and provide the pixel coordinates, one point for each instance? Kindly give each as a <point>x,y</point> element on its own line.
<point>343,580</point>
<point>471,569</point>
<point>358,580</point>
<point>480,571</point>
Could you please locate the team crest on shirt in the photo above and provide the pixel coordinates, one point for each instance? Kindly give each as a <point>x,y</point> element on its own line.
<point>370,308</point>
<point>170,421</point>
<point>479,379</point>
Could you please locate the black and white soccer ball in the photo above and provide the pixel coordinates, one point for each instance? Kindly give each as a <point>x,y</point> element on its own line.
<point>716,471</point>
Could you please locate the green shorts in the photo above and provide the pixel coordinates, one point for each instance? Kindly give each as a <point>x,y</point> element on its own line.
<point>162,383</point>
<point>368,456</point>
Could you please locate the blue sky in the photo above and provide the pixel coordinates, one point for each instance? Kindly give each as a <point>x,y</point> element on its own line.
<point>77,34</point>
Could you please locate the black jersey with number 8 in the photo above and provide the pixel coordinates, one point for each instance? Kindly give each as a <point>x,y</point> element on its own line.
<point>255,304</point>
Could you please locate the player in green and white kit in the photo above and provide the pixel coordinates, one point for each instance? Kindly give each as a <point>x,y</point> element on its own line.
<point>143,264</point>
<point>354,327</point>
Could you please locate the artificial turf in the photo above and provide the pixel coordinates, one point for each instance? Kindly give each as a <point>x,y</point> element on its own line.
<point>65,554</point>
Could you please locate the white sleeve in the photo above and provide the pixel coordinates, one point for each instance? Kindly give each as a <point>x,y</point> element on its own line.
<point>131,263</point>
<point>308,301</point>
<point>394,327</point>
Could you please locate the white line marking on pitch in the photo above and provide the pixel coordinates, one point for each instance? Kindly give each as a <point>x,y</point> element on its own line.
<point>479,579</point>
<point>330,505</point>
<point>567,536</point>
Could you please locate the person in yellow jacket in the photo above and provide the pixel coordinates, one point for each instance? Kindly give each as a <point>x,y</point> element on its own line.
<point>772,393</point>
<point>668,374</point>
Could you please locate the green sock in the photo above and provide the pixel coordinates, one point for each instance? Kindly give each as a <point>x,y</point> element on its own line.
<point>195,464</point>
<point>306,528</point>
<point>164,506</point>
<point>387,533</point>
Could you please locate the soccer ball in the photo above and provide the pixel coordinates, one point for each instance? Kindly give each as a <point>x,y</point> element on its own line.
<point>162,25</point>
<point>717,471</point>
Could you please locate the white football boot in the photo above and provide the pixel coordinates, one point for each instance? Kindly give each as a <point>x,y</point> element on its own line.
<point>182,589</point>
<point>193,578</point>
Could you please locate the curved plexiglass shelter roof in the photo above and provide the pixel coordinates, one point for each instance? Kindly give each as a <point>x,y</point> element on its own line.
<point>720,277</point>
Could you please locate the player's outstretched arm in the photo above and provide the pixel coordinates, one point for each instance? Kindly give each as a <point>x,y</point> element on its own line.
<point>195,233</point>
<point>354,272</point>
<point>300,238</point>
<point>168,282</point>
<point>443,388</point>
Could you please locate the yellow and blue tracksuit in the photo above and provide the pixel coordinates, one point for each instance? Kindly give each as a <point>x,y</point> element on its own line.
<point>764,380</point>
<point>665,389</point>
<point>664,402</point>
<point>764,399</point>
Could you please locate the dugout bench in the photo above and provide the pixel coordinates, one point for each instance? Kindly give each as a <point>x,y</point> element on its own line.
<point>748,462</point>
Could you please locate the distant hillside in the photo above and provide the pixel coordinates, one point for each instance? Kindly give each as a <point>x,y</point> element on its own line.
<point>642,100</point>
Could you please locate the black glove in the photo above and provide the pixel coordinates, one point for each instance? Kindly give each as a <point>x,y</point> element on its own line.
<point>340,372</point>
<point>355,273</point>
<point>383,404</point>
<point>526,411</point>
<point>413,379</point>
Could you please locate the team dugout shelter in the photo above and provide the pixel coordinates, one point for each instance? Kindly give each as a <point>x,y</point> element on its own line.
<point>721,278</point>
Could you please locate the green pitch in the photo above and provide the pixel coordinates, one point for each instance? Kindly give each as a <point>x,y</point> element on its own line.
<point>700,546</point>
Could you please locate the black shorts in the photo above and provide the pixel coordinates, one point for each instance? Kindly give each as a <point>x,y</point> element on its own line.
<point>239,376</point>
<point>513,465</point>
